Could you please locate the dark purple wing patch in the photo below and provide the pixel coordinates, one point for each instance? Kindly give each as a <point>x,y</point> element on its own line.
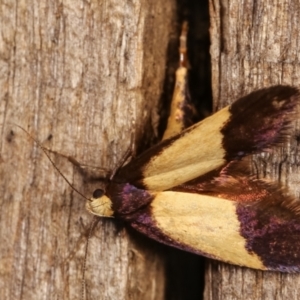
<point>273,235</point>
<point>259,120</point>
<point>127,199</point>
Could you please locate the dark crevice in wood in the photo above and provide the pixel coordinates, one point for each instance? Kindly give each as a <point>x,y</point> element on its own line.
<point>185,271</point>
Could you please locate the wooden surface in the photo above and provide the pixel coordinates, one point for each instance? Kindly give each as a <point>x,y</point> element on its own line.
<point>84,78</point>
<point>255,44</point>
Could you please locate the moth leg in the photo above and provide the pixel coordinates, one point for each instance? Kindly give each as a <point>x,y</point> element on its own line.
<point>92,226</point>
<point>180,105</point>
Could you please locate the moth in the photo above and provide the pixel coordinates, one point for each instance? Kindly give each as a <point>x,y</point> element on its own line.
<point>188,191</point>
<point>192,191</point>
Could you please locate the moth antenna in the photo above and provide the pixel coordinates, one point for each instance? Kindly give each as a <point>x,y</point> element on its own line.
<point>74,161</point>
<point>45,150</point>
<point>81,167</point>
<point>93,224</point>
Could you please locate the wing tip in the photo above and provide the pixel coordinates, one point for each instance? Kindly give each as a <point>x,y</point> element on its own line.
<point>260,120</point>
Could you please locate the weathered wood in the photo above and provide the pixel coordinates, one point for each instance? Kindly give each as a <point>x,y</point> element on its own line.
<point>84,79</point>
<point>254,45</point>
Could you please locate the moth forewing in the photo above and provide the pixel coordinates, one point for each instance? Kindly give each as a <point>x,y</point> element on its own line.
<point>250,125</point>
<point>179,162</point>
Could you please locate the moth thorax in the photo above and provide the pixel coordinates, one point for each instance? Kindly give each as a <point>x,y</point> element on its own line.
<point>101,206</point>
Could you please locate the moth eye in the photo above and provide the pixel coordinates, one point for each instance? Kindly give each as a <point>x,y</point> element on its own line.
<point>98,193</point>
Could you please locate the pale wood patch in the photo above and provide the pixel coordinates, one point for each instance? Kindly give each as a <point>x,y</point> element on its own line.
<point>176,118</point>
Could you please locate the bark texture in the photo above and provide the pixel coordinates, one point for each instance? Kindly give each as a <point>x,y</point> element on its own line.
<point>84,78</point>
<point>255,44</point>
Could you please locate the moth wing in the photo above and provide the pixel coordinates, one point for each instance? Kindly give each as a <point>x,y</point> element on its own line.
<point>251,124</point>
<point>260,228</point>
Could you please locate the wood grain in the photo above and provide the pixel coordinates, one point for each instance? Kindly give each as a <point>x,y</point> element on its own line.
<point>84,78</point>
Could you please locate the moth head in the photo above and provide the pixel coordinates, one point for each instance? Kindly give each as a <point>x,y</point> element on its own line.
<point>100,204</point>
